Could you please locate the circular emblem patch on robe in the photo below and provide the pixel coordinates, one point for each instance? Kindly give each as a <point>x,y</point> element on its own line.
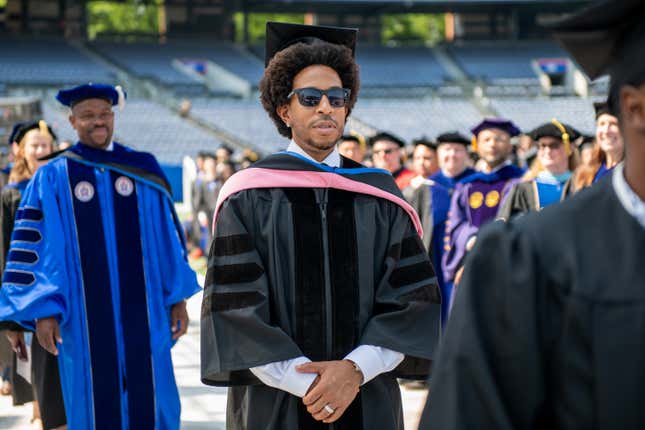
<point>124,186</point>
<point>492,199</point>
<point>476,199</point>
<point>84,191</point>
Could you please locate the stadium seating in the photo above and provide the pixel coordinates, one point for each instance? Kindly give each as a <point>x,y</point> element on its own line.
<point>51,61</point>
<point>154,60</point>
<point>503,63</point>
<point>529,113</point>
<point>399,67</point>
<point>245,119</point>
<point>412,118</point>
<point>145,126</point>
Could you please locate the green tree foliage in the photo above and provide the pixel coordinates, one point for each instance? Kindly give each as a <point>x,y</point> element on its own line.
<point>3,4</point>
<point>257,24</point>
<point>412,28</point>
<point>125,17</point>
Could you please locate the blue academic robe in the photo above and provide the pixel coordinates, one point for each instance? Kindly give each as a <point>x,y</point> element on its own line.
<point>440,205</point>
<point>97,244</point>
<point>451,182</point>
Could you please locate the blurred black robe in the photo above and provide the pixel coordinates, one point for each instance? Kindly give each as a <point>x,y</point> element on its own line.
<point>548,328</point>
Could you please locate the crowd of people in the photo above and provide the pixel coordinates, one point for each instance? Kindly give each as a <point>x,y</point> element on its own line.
<point>481,262</point>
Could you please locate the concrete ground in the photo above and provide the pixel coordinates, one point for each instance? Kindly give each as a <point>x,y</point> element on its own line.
<point>203,407</point>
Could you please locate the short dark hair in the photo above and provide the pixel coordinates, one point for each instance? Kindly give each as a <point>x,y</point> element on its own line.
<point>277,82</point>
<point>349,138</point>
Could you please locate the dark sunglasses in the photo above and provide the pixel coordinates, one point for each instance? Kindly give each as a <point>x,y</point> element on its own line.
<point>311,97</point>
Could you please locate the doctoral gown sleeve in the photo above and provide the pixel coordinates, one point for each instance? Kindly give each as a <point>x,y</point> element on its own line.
<point>490,372</point>
<point>515,203</point>
<point>458,230</point>
<point>9,201</point>
<point>35,283</point>
<point>164,231</point>
<point>236,331</point>
<point>407,311</point>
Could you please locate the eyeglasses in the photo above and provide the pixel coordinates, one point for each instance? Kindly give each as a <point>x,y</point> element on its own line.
<point>385,151</point>
<point>552,146</point>
<point>311,97</point>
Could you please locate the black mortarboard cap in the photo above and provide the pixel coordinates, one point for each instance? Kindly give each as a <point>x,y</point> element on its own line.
<point>14,132</point>
<point>550,129</point>
<point>280,35</point>
<point>601,108</point>
<point>226,148</point>
<point>586,140</point>
<point>453,137</point>
<point>606,37</point>
<point>31,125</point>
<point>384,135</point>
<point>425,142</point>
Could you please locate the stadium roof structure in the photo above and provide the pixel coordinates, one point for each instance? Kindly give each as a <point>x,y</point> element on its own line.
<point>404,6</point>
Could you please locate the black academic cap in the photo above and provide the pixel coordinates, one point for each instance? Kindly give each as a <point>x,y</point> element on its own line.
<point>600,35</point>
<point>601,108</point>
<point>552,129</point>
<point>14,132</point>
<point>225,147</point>
<point>586,140</point>
<point>425,142</point>
<point>32,125</point>
<point>453,137</point>
<point>351,137</point>
<point>280,35</point>
<point>384,135</point>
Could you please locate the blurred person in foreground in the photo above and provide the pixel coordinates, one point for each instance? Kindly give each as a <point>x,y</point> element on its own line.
<point>548,181</point>
<point>352,146</point>
<point>318,284</point>
<point>34,140</point>
<point>97,267</point>
<point>608,152</point>
<point>477,197</point>
<point>547,330</point>
<point>387,154</point>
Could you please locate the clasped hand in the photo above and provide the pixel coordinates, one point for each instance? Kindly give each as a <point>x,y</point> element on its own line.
<point>336,385</point>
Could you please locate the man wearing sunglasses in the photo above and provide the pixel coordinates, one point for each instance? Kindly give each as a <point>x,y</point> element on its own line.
<point>387,154</point>
<point>318,283</point>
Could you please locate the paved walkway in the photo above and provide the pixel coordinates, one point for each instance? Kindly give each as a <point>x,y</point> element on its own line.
<point>203,407</point>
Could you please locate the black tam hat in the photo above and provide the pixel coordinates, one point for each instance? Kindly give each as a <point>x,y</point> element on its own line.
<point>607,37</point>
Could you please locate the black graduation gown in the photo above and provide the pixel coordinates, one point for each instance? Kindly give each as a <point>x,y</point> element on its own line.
<point>314,272</point>
<point>524,197</point>
<point>547,329</point>
<point>44,366</point>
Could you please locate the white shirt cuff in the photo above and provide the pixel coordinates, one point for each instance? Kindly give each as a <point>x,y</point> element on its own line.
<point>283,376</point>
<point>374,360</point>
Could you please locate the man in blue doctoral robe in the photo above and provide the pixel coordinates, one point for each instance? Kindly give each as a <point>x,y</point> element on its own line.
<point>452,151</point>
<point>97,258</point>
<point>476,199</point>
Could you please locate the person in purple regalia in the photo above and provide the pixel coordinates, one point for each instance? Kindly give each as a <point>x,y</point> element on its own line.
<point>476,199</point>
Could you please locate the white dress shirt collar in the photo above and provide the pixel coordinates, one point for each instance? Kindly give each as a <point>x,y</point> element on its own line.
<point>629,199</point>
<point>332,160</point>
